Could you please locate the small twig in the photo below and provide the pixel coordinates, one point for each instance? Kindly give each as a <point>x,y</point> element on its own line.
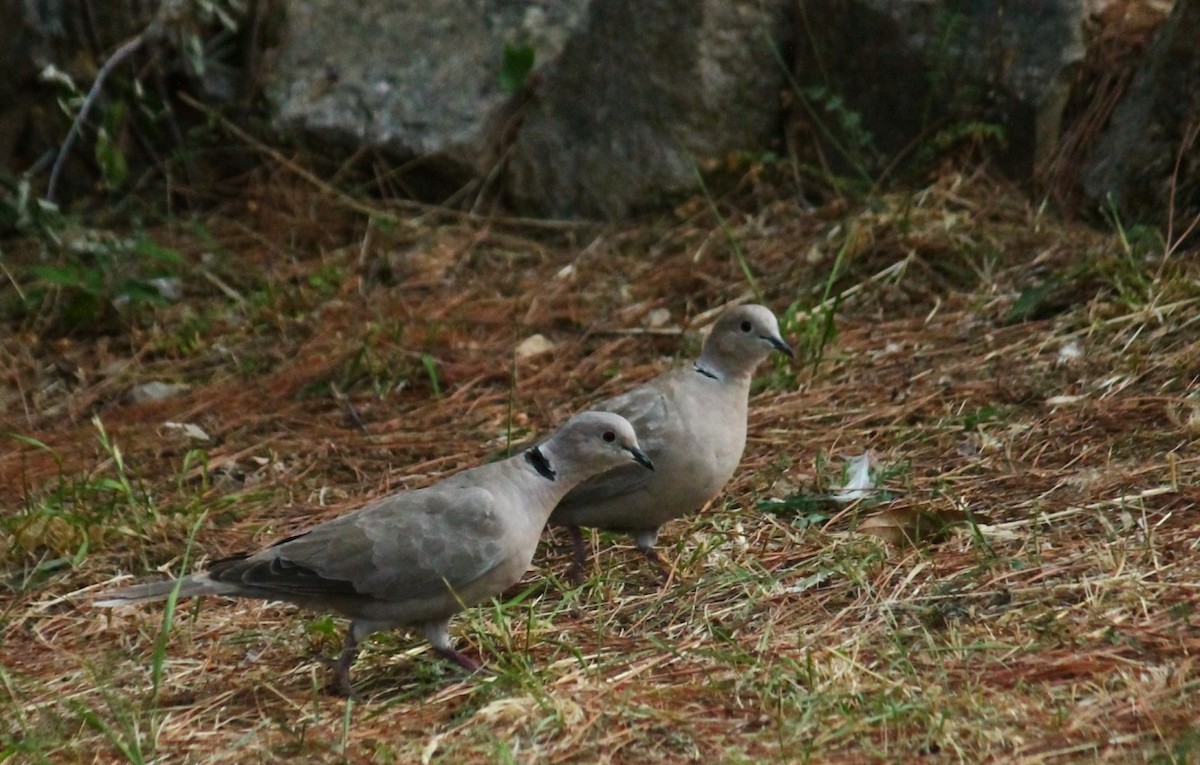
<point>222,285</point>
<point>242,135</point>
<point>345,401</point>
<point>1173,243</point>
<point>126,50</point>
<point>16,286</point>
<point>380,212</point>
<point>705,317</point>
<point>667,331</point>
<point>738,253</point>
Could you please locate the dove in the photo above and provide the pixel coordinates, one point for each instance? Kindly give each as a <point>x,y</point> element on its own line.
<point>416,558</point>
<point>691,421</point>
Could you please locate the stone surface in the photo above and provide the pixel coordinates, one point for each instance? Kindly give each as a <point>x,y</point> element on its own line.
<point>625,97</point>
<point>908,69</point>
<point>417,79</point>
<point>642,95</point>
<point>1135,158</point>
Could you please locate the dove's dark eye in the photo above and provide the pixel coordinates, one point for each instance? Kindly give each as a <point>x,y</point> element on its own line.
<point>609,436</point>
<point>747,326</point>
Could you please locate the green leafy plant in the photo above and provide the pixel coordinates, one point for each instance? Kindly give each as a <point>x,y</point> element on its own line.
<point>96,283</point>
<point>24,212</point>
<point>842,126</point>
<point>196,37</point>
<point>110,158</point>
<point>815,326</point>
<point>802,509</point>
<point>57,529</point>
<point>430,365</point>
<point>973,134</point>
<point>515,68</point>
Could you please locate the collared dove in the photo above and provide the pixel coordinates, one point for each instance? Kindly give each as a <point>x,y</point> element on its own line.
<point>692,422</point>
<point>418,557</point>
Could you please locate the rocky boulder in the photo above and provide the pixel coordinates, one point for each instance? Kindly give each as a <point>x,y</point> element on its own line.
<point>1151,141</point>
<point>624,100</point>
<point>645,94</point>
<point>887,79</point>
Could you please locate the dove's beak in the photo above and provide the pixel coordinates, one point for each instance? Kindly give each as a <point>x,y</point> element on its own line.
<point>640,458</point>
<point>778,344</point>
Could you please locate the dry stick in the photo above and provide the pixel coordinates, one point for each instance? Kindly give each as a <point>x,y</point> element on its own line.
<point>345,401</point>
<point>4,270</point>
<point>349,201</point>
<point>365,209</point>
<point>1189,137</point>
<point>125,51</point>
<point>897,268</point>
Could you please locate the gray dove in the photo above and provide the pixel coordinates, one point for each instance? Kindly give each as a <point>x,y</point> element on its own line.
<point>692,422</point>
<point>418,557</point>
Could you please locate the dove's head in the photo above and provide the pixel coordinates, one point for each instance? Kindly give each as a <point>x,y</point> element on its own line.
<point>741,339</point>
<point>594,442</point>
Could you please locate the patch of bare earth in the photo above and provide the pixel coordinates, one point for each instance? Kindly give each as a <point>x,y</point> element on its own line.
<point>331,361</point>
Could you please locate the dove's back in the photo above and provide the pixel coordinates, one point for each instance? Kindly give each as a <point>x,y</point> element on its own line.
<point>694,429</point>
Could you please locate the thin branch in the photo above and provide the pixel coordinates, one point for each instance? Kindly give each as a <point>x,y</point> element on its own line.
<point>373,211</point>
<point>1173,242</point>
<point>125,51</point>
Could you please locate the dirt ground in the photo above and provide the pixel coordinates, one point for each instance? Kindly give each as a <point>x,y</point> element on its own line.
<point>1027,388</point>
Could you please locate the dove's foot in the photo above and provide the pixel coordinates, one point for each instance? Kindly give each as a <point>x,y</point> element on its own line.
<point>462,660</point>
<point>579,556</point>
<point>341,665</point>
<point>665,572</point>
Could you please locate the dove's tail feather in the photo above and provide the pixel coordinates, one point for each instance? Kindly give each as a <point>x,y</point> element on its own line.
<point>197,584</point>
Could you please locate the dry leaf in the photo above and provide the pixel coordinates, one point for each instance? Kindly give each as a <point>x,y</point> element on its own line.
<point>902,526</point>
<point>187,430</point>
<point>1064,400</point>
<point>657,318</point>
<point>155,391</point>
<point>534,345</point>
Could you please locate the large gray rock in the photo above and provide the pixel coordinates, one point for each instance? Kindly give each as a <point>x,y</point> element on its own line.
<point>626,95</point>
<point>883,77</point>
<point>1134,160</point>
<point>645,93</point>
<point>417,78</point>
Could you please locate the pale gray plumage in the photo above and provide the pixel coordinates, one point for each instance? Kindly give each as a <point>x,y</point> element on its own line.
<point>692,422</point>
<point>418,557</point>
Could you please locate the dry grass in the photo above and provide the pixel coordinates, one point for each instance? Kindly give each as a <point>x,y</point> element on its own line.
<point>1060,627</point>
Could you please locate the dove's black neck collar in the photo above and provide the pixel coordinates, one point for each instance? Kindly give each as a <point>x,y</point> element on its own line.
<point>707,373</point>
<point>539,462</point>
